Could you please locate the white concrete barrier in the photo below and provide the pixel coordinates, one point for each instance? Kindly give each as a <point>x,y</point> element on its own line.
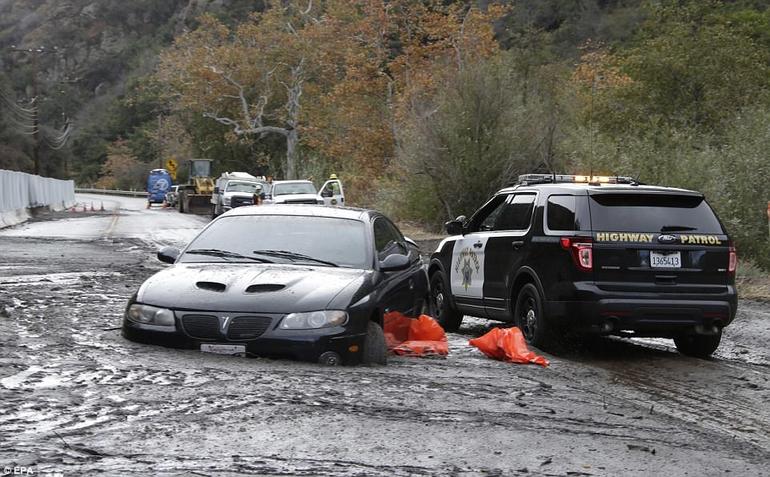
<point>20,192</point>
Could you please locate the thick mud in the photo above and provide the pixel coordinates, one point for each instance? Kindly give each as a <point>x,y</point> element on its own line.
<point>77,398</point>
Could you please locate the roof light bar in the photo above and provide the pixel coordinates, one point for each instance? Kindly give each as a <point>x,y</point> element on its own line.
<point>527,179</point>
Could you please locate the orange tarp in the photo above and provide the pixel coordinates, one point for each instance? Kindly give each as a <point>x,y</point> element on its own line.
<point>507,344</point>
<point>421,336</point>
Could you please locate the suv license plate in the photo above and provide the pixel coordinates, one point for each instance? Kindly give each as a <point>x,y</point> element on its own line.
<point>226,349</point>
<point>665,260</point>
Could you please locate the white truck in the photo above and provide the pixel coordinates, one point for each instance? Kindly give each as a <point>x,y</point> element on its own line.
<point>304,192</point>
<point>235,189</point>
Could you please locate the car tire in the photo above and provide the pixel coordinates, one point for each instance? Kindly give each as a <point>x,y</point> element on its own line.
<point>375,349</point>
<point>440,308</point>
<point>698,346</point>
<point>530,318</point>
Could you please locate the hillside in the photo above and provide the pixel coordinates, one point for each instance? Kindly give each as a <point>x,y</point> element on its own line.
<point>404,99</point>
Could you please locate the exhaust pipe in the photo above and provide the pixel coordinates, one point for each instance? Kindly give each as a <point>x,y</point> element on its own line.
<point>610,325</point>
<point>711,329</point>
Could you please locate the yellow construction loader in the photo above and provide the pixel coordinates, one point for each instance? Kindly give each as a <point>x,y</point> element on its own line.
<point>195,196</point>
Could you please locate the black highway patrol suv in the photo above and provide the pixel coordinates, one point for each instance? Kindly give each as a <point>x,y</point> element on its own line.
<point>602,255</point>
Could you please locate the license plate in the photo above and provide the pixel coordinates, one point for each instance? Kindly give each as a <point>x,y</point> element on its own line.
<point>226,349</point>
<point>666,260</point>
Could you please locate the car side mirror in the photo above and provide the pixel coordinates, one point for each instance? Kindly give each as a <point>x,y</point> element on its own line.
<point>394,262</point>
<point>455,227</point>
<point>168,254</point>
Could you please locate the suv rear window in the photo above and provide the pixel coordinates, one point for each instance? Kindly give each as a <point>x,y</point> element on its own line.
<point>653,213</point>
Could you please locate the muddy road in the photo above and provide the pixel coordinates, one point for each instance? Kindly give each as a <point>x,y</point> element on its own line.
<point>77,398</point>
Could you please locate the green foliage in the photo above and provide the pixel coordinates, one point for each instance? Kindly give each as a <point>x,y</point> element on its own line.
<point>693,67</point>
<point>480,134</point>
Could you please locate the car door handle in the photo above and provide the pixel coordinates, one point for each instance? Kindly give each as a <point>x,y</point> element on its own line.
<point>478,245</point>
<point>517,244</point>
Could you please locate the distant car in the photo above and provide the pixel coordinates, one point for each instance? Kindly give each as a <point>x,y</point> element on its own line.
<point>307,282</point>
<point>235,189</point>
<point>172,196</point>
<point>601,255</point>
<point>293,192</point>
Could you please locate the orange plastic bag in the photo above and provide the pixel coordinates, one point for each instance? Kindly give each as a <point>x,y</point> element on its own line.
<point>421,336</point>
<point>396,328</point>
<point>507,344</point>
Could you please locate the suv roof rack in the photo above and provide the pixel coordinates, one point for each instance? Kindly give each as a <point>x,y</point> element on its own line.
<point>530,179</point>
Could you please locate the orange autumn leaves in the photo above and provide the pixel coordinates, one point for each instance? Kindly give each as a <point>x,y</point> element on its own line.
<point>368,64</point>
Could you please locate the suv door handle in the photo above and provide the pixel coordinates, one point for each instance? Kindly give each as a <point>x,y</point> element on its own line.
<point>478,244</point>
<point>517,244</point>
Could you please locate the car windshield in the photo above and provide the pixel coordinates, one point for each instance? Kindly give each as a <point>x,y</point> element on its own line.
<point>283,239</point>
<point>294,188</point>
<point>653,213</point>
<point>248,187</point>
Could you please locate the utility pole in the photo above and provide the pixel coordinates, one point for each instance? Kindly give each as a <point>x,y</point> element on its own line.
<point>35,52</point>
<point>160,141</point>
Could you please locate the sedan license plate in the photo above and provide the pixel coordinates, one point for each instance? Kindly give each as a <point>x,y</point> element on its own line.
<point>665,260</point>
<point>226,349</point>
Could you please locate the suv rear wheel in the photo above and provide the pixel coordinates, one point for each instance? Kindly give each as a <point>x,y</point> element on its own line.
<point>440,307</point>
<point>699,346</point>
<point>529,316</point>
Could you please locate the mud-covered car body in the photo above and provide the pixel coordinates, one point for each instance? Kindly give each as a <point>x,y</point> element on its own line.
<point>282,281</point>
<point>611,258</point>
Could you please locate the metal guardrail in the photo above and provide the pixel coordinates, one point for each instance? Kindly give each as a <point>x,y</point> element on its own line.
<point>125,193</point>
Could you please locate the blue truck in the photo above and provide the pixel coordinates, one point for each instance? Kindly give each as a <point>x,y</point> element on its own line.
<point>158,183</point>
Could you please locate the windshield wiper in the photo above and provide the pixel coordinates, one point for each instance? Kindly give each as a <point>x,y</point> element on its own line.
<point>675,228</point>
<point>294,256</point>
<point>215,252</point>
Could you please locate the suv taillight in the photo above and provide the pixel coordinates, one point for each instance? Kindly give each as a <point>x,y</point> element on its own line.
<point>582,251</point>
<point>732,262</point>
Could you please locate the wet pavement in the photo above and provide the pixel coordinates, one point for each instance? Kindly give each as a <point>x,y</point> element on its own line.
<point>79,399</point>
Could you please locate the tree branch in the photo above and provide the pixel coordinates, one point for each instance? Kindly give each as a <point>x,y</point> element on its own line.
<point>239,131</point>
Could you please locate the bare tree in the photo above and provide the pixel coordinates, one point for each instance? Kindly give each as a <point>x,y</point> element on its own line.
<point>252,120</point>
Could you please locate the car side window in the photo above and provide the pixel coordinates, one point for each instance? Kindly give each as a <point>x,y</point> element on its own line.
<point>516,213</point>
<point>561,212</point>
<point>485,219</point>
<point>387,239</point>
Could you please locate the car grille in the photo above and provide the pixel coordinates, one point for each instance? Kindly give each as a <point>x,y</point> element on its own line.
<point>247,327</point>
<point>302,201</point>
<point>239,201</point>
<point>201,326</point>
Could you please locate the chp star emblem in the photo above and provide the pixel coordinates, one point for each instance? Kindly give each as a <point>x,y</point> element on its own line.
<point>467,264</point>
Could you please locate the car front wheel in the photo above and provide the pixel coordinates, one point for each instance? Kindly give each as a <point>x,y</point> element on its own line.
<point>529,317</point>
<point>440,307</point>
<point>699,346</point>
<point>375,348</point>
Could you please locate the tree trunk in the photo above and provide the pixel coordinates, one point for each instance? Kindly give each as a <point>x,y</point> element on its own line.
<point>292,140</point>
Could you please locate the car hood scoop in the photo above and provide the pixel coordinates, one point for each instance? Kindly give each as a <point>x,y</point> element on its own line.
<point>264,287</point>
<point>249,288</point>
<point>213,286</point>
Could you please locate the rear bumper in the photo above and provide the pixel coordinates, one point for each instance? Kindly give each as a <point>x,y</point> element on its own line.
<point>660,315</point>
<point>303,345</point>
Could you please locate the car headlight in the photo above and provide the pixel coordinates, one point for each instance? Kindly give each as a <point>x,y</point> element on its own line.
<point>319,201</point>
<point>150,315</point>
<point>314,319</point>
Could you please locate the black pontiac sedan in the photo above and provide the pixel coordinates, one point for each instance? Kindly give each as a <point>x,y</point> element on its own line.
<point>305,282</point>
